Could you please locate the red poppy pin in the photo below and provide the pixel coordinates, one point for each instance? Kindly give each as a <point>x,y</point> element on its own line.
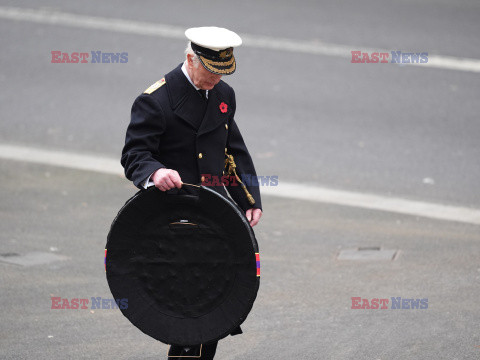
<point>223,107</point>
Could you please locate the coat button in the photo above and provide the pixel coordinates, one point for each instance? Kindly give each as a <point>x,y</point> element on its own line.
<point>200,155</point>
<point>226,126</point>
<point>203,179</point>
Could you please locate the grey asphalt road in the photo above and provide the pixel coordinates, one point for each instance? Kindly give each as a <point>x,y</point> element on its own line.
<point>303,310</point>
<point>307,118</point>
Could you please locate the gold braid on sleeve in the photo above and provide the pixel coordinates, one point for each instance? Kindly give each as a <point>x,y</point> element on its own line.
<point>230,167</point>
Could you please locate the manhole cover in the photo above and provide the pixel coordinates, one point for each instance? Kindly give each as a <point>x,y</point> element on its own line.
<point>9,254</point>
<point>367,253</point>
<point>30,259</point>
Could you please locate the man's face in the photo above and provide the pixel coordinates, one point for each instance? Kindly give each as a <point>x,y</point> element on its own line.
<point>201,77</point>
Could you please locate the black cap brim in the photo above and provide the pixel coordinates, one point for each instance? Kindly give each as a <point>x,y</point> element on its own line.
<point>220,62</point>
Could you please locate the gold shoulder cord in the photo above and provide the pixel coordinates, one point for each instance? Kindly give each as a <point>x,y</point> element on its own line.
<point>230,169</point>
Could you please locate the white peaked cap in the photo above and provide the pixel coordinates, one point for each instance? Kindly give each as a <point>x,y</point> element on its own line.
<point>212,37</point>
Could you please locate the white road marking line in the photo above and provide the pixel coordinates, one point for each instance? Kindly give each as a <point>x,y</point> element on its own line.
<point>374,202</point>
<point>62,158</point>
<point>284,189</point>
<point>176,32</point>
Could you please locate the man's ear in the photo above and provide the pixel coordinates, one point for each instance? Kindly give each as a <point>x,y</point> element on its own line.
<point>189,61</point>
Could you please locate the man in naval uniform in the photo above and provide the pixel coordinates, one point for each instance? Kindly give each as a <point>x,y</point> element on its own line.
<point>183,126</point>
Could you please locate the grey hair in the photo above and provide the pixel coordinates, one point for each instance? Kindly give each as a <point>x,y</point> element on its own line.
<point>189,51</point>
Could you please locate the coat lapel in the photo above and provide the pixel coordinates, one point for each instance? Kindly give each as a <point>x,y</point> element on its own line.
<point>185,100</point>
<point>213,116</point>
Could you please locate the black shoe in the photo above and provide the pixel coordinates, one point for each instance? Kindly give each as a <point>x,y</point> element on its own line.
<point>196,352</point>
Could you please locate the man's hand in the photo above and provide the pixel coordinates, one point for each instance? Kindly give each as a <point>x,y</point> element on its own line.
<point>166,179</point>
<point>253,216</point>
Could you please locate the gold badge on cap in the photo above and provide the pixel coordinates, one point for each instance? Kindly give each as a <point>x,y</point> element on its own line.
<point>226,53</point>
